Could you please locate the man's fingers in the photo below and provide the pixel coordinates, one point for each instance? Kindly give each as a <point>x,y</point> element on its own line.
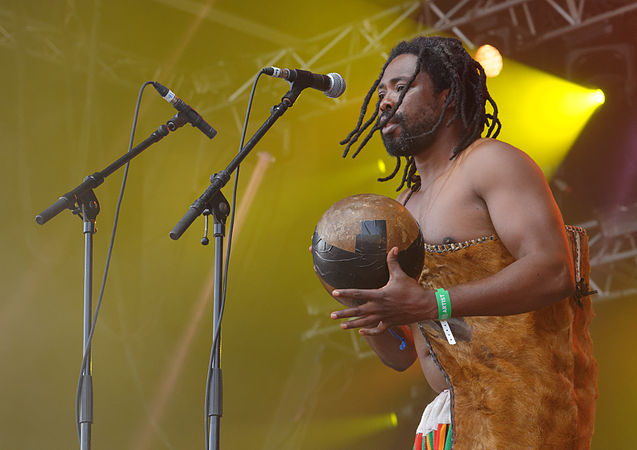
<point>392,262</point>
<point>356,294</point>
<point>360,322</point>
<point>378,329</point>
<point>346,313</point>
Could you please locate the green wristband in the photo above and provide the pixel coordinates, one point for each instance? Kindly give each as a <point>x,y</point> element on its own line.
<point>444,304</point>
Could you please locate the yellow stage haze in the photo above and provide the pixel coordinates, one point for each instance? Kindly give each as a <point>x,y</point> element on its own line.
<point>341,431</point>
<point>382,168</point>
<point>541,113</point>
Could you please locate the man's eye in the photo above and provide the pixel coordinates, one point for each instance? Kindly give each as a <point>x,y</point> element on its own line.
<point>400,87</point>
<point>381,95</point>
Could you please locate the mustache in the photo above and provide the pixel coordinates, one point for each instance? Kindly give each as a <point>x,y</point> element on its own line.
<point>386,117</point>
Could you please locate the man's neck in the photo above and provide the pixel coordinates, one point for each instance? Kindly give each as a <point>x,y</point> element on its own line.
<point>432,161</point>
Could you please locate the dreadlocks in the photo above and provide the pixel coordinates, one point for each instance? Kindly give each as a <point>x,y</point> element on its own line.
<point>450,67</point>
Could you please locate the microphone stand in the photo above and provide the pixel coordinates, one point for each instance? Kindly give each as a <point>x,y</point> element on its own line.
<point>82,201</point>
<point>219,208</point>
<point>210,199</point>
<point>90,208</point>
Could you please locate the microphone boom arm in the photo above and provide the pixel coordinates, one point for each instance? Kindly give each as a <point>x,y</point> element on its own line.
<point>219,180</point>
<point>72,197</point>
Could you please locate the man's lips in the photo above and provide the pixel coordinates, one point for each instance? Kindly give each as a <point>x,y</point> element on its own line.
<point>389,127</point>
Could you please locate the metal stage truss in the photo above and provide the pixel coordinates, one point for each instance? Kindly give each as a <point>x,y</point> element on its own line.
<point>613,253</point>
<point>520,24</point>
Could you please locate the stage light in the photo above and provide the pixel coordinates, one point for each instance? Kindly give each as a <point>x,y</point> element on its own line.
<point>577,101</point>
<point>490,59</point>
<point>393,418</point>
<point>597,97</point>
<point>610,67</point>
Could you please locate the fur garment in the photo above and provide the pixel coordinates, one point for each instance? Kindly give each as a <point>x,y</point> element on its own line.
<point>526,381</point>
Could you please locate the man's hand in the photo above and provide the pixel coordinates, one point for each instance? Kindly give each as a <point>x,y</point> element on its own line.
<point>401,301</point>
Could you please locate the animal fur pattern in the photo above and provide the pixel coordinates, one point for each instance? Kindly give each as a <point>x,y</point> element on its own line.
<point>526,381</point>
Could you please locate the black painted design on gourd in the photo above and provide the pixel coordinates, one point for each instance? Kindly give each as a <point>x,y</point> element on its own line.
<point>366,267</point>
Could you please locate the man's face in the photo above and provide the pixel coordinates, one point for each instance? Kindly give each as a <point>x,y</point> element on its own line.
<point>408,132</point>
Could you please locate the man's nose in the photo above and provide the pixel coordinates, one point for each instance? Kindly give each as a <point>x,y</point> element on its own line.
<point>387,103</point>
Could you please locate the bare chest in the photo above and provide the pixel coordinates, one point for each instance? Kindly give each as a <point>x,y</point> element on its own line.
<point>449,211</point>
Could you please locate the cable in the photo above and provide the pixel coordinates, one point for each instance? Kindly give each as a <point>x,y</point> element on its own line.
<point>108,260</point>
<point>225,275</point>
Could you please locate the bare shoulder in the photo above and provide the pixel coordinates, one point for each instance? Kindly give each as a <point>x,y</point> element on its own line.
<point>492,161</point>
<point>517,196</point>
<point>491,152</point>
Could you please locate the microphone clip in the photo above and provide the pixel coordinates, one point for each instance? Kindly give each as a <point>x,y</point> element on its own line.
<point>177,121</point>
<point>299,81</point>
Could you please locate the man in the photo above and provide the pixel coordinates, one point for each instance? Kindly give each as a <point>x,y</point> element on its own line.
<point>513,363</point>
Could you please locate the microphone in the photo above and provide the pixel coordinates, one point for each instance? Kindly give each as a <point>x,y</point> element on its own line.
<point>193,116</point>
<point>332,84</point>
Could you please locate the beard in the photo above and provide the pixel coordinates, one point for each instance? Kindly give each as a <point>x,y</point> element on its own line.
<point>411,139</point>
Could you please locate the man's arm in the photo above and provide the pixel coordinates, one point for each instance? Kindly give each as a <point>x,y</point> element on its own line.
<point>527,220</point>
<point>387,347</point>
<point>530,225</point>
